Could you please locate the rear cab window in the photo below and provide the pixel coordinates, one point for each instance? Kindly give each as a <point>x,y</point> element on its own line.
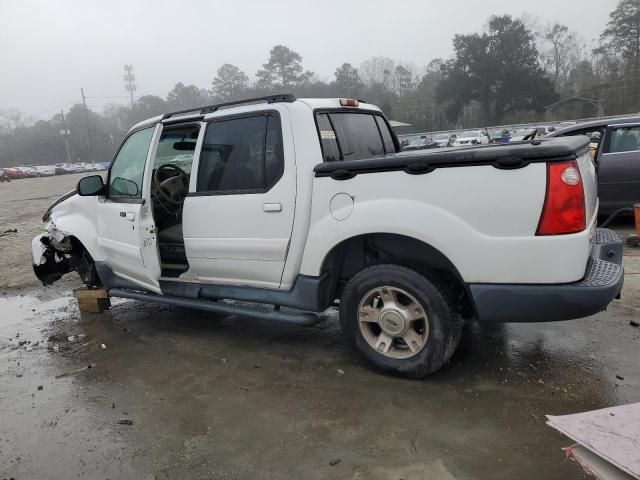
<point>353,135</point>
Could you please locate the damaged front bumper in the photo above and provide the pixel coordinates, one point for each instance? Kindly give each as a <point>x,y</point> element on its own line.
<point>49,264</point>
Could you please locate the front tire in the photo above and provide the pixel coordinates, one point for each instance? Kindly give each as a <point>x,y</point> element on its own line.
<point>404,323</point>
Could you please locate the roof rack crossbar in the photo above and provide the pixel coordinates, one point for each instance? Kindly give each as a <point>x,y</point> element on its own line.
<point>286,97</point>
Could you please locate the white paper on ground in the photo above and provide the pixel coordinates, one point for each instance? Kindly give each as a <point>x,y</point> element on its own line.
<point>611,433</point>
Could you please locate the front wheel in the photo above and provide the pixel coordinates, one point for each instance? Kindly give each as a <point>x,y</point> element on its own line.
<point>404,323</point>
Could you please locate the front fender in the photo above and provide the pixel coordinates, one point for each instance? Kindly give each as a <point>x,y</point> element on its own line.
<point>77,217</point>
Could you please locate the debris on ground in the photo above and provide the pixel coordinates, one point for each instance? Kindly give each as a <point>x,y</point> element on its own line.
<point>607,440</point>
<point>104,347</point>
<point>634,323</point>
<point>619,377</point>
<point>125,421</point>
<point>57,337</point>
<point>340,371</point>
<point>73,372</point>
<point>8,232</point>
<point>40,387</point>
<point>334,462</point>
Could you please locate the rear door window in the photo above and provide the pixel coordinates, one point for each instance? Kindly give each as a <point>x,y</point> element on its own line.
<point>623,139</point>
<point>353,136</point>
<point>241,155</point>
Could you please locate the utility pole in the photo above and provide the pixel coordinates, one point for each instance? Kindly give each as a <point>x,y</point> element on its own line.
<point>129,79</point>
<point>65,134</point>
<point>86,112</point>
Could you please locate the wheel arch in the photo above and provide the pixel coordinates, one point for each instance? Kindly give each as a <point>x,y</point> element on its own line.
<point>355,253</point>
<point>80,228</point>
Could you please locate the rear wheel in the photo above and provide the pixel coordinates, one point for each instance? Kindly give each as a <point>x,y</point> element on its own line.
<point>403,322</point>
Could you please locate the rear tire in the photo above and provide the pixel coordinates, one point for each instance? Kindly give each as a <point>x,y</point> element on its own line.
<point>403,322</point>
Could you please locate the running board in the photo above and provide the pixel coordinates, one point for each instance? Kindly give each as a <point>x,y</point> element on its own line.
<point>296,318</point>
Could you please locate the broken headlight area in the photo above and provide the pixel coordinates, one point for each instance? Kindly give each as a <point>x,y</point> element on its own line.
<point>52,266</point>
<point>61,257</point>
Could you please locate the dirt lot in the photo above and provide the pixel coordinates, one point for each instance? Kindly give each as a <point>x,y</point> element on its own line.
<point>232,398</point>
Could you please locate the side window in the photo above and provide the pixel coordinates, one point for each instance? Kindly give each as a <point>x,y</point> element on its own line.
<point>330,149</point>
<point>623,139</point>
<point>127,170</point>
<point>387,139</point>
<point>241,155</point>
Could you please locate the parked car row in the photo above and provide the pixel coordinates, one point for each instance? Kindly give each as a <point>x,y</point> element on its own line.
<point>479,136</point>
<point>13,173</point>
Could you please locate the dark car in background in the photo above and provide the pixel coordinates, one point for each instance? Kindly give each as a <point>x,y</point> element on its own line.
<point>615,146</point>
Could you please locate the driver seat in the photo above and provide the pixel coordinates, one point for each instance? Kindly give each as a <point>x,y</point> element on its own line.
<point>172,234</point>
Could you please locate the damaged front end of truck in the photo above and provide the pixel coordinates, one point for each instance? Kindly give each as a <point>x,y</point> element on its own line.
<point>58,252</point>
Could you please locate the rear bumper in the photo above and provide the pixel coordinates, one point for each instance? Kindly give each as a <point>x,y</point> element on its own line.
<point>552,302</point>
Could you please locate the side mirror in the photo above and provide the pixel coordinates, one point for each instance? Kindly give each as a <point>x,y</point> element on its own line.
<point>90,186</point>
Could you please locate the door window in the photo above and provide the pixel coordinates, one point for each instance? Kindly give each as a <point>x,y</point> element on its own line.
<point>624,139</point>
<point>241,155</point>
<point>127,170</point>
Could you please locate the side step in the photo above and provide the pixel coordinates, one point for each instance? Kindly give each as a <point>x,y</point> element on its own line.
<point>296,318</point>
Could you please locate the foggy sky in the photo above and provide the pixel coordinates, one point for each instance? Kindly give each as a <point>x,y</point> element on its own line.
<point>49,49</point>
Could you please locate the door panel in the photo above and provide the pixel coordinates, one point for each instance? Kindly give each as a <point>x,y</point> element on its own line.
<point>619,168</point>
<point>125,224</point>
<point>238,223</point>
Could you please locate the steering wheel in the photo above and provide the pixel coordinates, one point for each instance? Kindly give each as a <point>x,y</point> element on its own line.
<point>171,184</point>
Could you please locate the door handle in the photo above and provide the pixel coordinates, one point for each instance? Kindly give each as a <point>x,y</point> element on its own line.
<point>272,207</point>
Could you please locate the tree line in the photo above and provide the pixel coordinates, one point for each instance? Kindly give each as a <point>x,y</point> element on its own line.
<point>515,70</point>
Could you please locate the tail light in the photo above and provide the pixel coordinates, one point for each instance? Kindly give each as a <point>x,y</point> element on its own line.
<point>564,210</point>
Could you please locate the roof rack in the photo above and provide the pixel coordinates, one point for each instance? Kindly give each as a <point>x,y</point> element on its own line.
<point>286,97</point>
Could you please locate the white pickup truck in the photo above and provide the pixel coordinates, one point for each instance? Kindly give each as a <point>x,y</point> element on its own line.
<point>309,203</point>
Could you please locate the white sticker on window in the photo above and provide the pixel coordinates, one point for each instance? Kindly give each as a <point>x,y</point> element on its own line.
<point>327,134</point>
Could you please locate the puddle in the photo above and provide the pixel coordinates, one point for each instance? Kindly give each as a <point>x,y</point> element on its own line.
<point>26,316</point>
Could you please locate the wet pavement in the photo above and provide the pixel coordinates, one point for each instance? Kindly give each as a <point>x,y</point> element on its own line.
<point>174,393</point>
<point>213,397</point>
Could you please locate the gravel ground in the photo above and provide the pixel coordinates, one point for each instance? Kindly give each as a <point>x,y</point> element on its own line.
<point>149,392</point>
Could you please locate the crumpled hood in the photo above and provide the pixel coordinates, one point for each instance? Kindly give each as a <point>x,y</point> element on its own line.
<point>64,197</point>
